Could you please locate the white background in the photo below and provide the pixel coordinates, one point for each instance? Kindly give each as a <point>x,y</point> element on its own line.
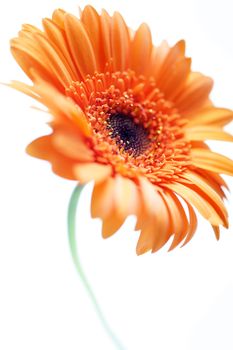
<point>166,301</point>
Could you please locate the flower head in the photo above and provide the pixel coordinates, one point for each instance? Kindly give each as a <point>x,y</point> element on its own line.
<point>131,116</point>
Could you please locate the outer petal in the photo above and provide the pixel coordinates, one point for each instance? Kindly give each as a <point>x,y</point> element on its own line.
<point>91,20</point>
<point>125,203</point>
<point>202,133</point>
<point>80,46</point>
<point>180,225</point>
<point>175,54</point>
<point>57,64</point>
<point>158,56</point>
<point>214,180</point>
<point>141,49</point>
<point>204,207</point>
<point>216,232</point>
<point>28,58</point>
<point>57,37</point>
<point>212,116</point>
<point>208,193</point>
<point>192,224</point>
<point>65,112</point>
<point>113,201</point>
<point>43,148</point>
<point>195,93</point>
<point>92,171</point>
<point>174,83</point>
<point>61,107</point>
<point>206,159</point>
<point>120,43</point>
<point>102,198</point>
<point>72,145</point>
<point>59,17</point>
<point>46,55</point>
<point>156,224</point>
<point>26,89</point>
<point>105,22</point>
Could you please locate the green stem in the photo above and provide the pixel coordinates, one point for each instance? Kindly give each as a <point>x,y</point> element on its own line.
<point>72,242</point>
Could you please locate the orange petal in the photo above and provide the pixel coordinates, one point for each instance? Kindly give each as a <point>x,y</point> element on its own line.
<point>126,197</point>
<point>125,202</point>
<point>148,193</point>
<point>59,17</point>
<point>105,22</point>
<point>202,133</point>
<point>61,106</point>
<point>43,148</point>
<point>92,171</point>
<point>146,239</point>
<point>80,46</point>
<point>111,225</point>
<point>56,63</point>
<point>211,181</point>
<point>211,116</point>
<point>102,198</point>
<point>148,200</point>
<point>120,42</point>
<point>202,205</point>
<point>156,226</point>
<point>91,20</point>
<point>72,146</point>
<point>26,89</point>
<point>214,180</point>
<point>35,55</point>
<point>176,79</point>
<point>27,59</point>
<point>141,49</point>
<point>172,58</point>
<point>29,28</point>
<point>195,93</point>
<point>56,36</point>
<point>216,231</point>
<point>206,159</point>
<point>207,190</point>
<point>64,110</point>
<point>178,218</point>
<point>158,56</point>
<point>192,224</point>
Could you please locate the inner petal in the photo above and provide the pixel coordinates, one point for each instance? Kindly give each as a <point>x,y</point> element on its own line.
<point>133,137</point>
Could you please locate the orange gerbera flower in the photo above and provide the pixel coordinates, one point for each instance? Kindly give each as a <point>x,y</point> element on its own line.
<point>131,116</point>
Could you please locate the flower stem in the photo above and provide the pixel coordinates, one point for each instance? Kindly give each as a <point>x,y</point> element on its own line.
<point>73,248</point>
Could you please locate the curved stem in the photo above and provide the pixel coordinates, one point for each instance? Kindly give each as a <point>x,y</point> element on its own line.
<point>72,242</point>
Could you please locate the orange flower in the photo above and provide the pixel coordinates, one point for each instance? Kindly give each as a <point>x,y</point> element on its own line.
<point>131,116</point>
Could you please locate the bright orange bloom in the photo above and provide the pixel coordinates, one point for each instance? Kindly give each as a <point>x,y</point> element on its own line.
<point>131,116</point>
